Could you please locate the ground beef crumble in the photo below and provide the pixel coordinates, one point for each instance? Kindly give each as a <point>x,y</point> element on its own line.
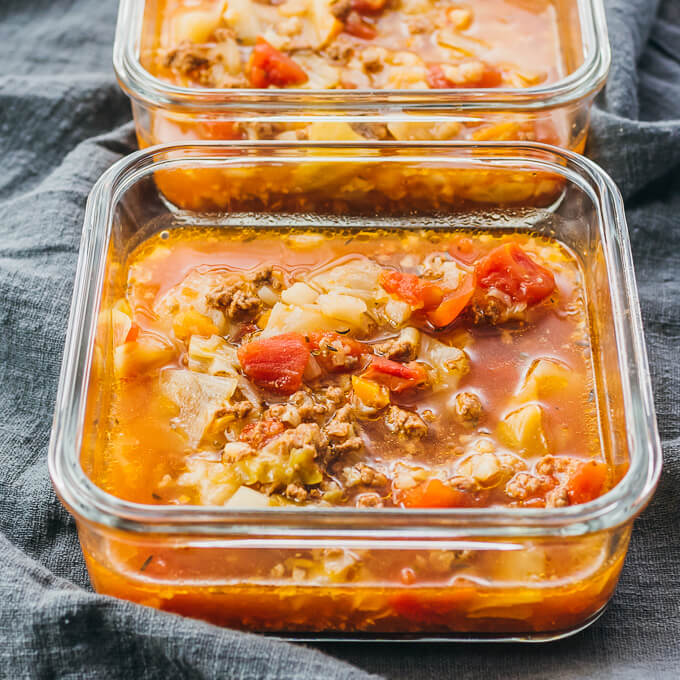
<point>403,422</point>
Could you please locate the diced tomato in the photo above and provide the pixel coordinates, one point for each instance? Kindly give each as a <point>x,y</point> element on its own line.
<point>132,333</point>
<point>427,608</point>
<point>259,433</point>
<point>349,345</point>
<point>410,288</point>
<point>395,376</point>
<point>509,269</point>
<point>218,129</point>
<point>587,482</point>
<point>434,494</point>
<point>268,66</point>
<point>436,79</point>
<point>276,363</point>
<point>452,305</point>
<point>368,6</point>
<point>355,25</point>
<point>464,249</point>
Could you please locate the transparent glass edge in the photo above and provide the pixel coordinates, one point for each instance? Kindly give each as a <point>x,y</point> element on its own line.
<point>140,85</point>
<point>88,501</point>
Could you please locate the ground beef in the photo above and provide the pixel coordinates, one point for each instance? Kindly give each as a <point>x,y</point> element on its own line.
<point>187,60</point>
<point>495,309</point>
<point>404,422</point>
<point>468,408</point>
<point>296,492</point>
<point>524,486</point>
<point>342,432</point>
<point>305,434</point>
<point>239,301</point>
<point>308,409</point>
<point>340,51</point>
<point>369,500</point>
<point>199,65</point>
<point>364,475</point>
<point>378,131</point>
<point>238,410</point>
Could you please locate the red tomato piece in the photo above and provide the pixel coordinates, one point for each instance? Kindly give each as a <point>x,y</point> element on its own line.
<point>452,305</point>
<point>587,482</point>
<point>395,376</point>
<point>348,345</point>
<point>435,494</point>
<point>332,349</point>
<point>276,363</point>
<point>356,26</point>
<point>509,269</point>
<point>368,6</point>
<point>133,333</point>
<point>268,66</point>
<point>258,434</point>
<point>412,289</point>
<point>218,129</point>
<point>490,77</point>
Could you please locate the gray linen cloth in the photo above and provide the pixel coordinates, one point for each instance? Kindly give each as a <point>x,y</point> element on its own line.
<point>62,123</point>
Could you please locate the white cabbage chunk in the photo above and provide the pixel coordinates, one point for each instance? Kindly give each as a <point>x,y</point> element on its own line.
<point>199,398</point>
<point>359,278</point>
<point>449,363</point>
<point>213,356</point>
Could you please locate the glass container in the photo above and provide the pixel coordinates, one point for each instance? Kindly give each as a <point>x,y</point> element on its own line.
<point>537,574</point>
<point>556,112</point>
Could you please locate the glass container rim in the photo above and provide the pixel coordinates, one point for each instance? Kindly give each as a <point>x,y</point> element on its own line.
<point>88,501</point>
<point>141,85</point>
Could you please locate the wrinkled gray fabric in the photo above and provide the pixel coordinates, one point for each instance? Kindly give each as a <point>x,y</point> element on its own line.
<point>62,122</point>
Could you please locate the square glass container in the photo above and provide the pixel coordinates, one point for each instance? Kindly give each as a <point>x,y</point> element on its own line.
<point>537,574</point>
<point>556,113</point>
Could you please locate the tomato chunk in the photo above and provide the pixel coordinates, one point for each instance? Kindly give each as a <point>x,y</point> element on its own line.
<point>259,433</point>
<point>348,345</point>
<point>435,494</point>
<point>509,269</point>
<point>452,305</point>
<point>219,129</point>
<point>268,66</point>
<point>488,76</point>
<point>276,363</point>
<point>356,26</point>
<point>395,376</point>
<point>335,353</point>
<point>587,482</point>
<point>412,289</point>
<point>368,6</point>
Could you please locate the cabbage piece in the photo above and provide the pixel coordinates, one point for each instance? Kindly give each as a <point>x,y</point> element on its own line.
<point>212,355</point>
<point>297,319</point>
<point>199,398</point>
<point>357,277</point>
<point>449,363</point>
